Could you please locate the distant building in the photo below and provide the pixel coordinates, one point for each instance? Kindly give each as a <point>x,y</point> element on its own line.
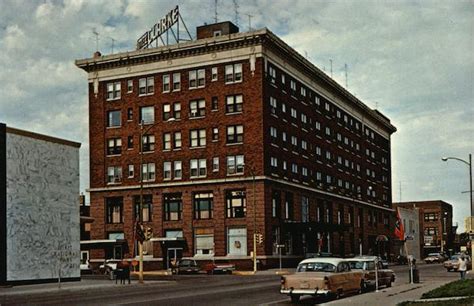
<point>436,225</point>
<point>411,223</point>
<point>242,136</point>
<point>39,216</point>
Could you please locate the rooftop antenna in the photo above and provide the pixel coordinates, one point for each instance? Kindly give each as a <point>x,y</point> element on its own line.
<point>330,61</point>
<point>215,11</point>
<point>345,68</point>
<point>94,31</point>
<point>236,8</point>
<point>113,43</point>
<point>250,21</point>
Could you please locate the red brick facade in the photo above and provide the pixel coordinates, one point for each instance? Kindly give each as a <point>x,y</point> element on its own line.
<point>355,177</point>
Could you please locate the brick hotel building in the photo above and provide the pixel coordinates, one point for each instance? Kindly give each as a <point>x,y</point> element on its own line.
<point>243,135</point>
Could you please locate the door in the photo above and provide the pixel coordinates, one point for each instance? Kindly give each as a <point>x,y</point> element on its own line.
<point>174,254</point>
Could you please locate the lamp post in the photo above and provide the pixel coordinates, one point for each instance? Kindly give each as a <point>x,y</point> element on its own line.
<point>254,254</point>
<point>140,244</point>
<point>469,164</point>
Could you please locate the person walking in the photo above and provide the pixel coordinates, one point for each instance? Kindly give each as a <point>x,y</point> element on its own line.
<point>462,266</point>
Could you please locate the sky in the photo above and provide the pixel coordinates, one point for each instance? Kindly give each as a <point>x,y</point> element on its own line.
<point>412,60</point>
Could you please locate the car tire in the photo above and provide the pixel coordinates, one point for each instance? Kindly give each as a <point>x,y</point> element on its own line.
<point>294,298</point>
<point>362,287</point>
<point>389,284</point>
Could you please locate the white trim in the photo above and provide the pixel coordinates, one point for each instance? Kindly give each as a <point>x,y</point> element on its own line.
<point>237,179</point>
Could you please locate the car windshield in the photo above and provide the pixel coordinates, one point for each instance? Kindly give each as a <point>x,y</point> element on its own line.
<point>356,264</point>
<point>455,257</point>
<point>433,254</point>
<point>316,267</point>
<point>186,263</point>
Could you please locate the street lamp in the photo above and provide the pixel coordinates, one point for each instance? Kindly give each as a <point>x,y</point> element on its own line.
<point>469,164</point>
<point>140,244</point>
<point>254,255</point>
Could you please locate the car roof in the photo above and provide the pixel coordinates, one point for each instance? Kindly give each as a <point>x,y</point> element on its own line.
<point>364,257</point>
<point>332,260</point>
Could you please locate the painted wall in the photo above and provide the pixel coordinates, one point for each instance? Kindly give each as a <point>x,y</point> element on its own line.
<point>42,209</point>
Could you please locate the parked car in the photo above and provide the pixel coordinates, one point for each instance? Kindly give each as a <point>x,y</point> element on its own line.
<point>186,266</point>
<point>86,268</point>
<point>434,258</point>
<point>453,263</point>
<point>219,268</point>
<point>367,265</point>
<point>322,276</point>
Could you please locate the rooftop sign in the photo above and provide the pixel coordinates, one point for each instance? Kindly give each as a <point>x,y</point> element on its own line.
<point>158,29</point>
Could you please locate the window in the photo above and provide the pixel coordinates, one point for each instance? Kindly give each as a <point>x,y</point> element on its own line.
<point>129,114</point>
<point>283,136</point>
<point>114,146</point>
<point>146,207</point>
<point>294,141</point>
<point>166,141</point>
<point>276,204</point>
<point>176,81</point>
<point>318,151</point>
<point>237,241</point>
<point>429,231</point>
<point>113,91</point>
<point>204,241</point>
<point>289,206</point>
<point>304,119</point>
<point>283,107</point>
<point>273,132</point>
<point>146,86</point>
<point>328,179</point>
<point>284,165</point>
<point>283,80</point>
<point>318,125</point>
<point>167,170</point>
<point>234,104</point>
<point>235,164</point>
<point>166,83</point>
<point>148,172</point>
<point>340,216</point>
<point>294,113</point>
<point>304,209</point>
<point>147,114</point>
<point>148,143</point>
<point>129,86</point>
<point>304,171</point>
<point>274,162</point>
<point>177,140</point>
<point>235,134</point>
<point>166,111</point>
<point>303,91</point>
<point>203,205</point>
<point>198,168</point>
<point>272,74</point>
<point>317,100</point>
<point>215,134</point>
<point>177,110</point>
<point>215,164</point>
<point>197,138</point>
<point>294,168</point>
<point>319,176</point>
<point>214,74</point>
<point>235,204</point>
<point>327,107</point>
<point>214,103</point>
<point>114,209</point>
<point>273,105</point>
<point>131,171</point>
<point>304,145</point>
<point>178,170</point>
<point>197,78</point>
<point>197,108</point>
<point>328,131</point>
<point>114,118</point>
<point>114,175</point>
<point>233,73</point>
<point>430,217</point>
<point>173,206</point>
<point>293,85</point>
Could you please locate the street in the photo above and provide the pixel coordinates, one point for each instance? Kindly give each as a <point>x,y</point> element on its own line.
<point>260,289</point>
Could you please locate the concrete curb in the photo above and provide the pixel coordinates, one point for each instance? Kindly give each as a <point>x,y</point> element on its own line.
<point>246,273</point>
<point>451,298</point>
<point>154,273</point>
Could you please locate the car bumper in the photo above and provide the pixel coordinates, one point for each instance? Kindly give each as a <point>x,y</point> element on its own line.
<point>305,291</point>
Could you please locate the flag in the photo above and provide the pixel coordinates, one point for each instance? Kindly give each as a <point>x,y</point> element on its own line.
<point>139,234</point>
<point>399,230</point>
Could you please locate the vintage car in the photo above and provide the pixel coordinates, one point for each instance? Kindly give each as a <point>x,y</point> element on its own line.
<point>322,276</point>
<point>367,265</point>
<point>434,258</point>
<point>219,268</point>
<point>186,266</point>
<point>453,263</point>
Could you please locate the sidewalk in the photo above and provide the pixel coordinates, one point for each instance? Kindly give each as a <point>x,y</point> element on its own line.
<point>394,295</point>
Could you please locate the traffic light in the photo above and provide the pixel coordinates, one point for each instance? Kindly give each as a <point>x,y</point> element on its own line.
<point>259,238</point>
<point>148,233</point>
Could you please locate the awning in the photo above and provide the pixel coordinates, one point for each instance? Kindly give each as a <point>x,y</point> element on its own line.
<point>166,239</point>
<point>103,244</point>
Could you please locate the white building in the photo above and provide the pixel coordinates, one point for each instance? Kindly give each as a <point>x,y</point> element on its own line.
<point>411,224</point>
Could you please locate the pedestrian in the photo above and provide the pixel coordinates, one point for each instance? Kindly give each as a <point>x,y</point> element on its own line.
<point>462,266</point>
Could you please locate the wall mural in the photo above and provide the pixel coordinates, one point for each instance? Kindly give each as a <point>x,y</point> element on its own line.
<point>42,209</point>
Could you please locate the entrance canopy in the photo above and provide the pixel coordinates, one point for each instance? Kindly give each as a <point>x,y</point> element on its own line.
<point>103,244</point>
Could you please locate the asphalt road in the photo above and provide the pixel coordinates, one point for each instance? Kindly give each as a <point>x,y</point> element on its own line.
<point>225,290</point>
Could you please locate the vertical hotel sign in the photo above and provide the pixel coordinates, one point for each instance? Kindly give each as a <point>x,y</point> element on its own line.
<point>158,29</point>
